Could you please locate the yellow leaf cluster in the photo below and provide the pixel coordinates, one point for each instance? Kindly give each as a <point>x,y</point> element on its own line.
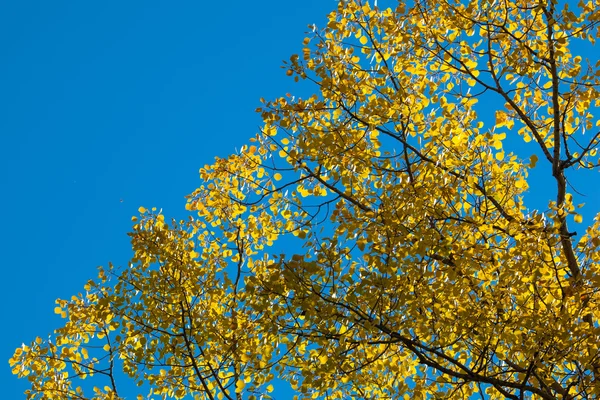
<point>413,264</point>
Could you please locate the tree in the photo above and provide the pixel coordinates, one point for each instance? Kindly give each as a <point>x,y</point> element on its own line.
<point>417,258</point>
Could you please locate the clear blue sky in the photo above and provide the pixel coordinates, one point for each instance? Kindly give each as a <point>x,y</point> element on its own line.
<point>106,106</point>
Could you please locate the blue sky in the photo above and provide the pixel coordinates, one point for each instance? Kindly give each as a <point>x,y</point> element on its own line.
<point>107,106</point>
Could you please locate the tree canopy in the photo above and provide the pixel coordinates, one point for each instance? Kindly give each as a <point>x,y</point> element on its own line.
<point>379,238</point>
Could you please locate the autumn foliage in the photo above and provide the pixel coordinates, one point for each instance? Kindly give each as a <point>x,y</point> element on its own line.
<point>379,239</point>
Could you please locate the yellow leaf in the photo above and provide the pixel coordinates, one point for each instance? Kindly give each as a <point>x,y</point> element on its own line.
<point>239,386</point>
<point>361,244</point>
<point>277,176</point>
<point>578,218</point>
<point>533,161</point>
<point>141,210</point>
